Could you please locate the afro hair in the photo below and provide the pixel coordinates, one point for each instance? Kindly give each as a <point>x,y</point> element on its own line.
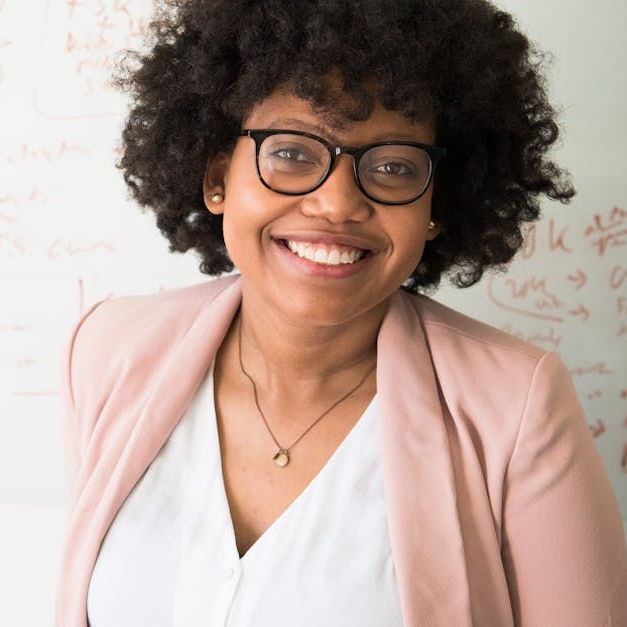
<point>463,63</point>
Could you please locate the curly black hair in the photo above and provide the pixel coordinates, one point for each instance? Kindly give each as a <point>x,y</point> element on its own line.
<point>464,62</point>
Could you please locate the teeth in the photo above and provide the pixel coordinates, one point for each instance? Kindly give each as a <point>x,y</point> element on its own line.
<point>323,255</point>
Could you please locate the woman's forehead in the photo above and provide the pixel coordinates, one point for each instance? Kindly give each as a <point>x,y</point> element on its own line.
<point>283,109</point>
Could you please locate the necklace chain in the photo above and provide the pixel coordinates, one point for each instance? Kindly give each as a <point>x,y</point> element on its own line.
<point>282,458</point>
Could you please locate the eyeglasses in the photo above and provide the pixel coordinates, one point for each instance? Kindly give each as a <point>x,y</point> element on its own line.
<point>389,172</point>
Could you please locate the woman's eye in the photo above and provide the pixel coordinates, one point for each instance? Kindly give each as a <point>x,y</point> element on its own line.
<point>394,169</point>
<point>291,154</point>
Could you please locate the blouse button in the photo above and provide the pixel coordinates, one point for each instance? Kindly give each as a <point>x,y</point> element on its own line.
<point>230,573</point>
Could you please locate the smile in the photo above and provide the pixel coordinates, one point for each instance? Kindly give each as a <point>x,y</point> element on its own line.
<point>315,259</point>
<point>331,255</point>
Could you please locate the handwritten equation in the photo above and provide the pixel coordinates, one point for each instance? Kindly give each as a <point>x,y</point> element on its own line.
<point>80,41</point>
<point>568,290</point>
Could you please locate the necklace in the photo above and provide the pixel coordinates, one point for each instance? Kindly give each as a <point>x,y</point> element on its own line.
<point>282,457</point>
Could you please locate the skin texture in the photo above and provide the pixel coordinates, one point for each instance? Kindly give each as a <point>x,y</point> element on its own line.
<point>308,338</point>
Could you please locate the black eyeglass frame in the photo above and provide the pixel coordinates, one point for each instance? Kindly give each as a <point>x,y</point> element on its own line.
<point>435,154</point>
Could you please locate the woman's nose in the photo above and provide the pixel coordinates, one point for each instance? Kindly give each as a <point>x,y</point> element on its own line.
<point>338,199</point>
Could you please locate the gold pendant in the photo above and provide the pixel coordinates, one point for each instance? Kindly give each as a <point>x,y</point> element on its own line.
<point>282,458</point>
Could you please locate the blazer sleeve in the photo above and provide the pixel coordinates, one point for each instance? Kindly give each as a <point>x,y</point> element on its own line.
<point>563,544</point>
<point>71,433</point>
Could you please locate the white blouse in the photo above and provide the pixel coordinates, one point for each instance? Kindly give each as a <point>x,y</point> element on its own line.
<point>170,558</point>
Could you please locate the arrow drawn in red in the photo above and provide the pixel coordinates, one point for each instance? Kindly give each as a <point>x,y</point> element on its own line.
<point>579,278</point>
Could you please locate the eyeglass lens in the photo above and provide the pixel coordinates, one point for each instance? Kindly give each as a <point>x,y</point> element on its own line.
<point>390,173</point>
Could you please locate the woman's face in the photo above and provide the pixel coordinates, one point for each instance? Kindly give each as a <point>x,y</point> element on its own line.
<point>257,221</point>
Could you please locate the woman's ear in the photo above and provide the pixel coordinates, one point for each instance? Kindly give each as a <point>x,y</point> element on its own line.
<point>214,182</point>
<point>432,233</point>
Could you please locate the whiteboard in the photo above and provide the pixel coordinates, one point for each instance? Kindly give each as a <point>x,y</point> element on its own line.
<point>69,236</point>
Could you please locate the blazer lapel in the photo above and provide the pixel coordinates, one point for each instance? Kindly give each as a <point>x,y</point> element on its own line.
<point>423,521</point>
<point>120,465</point>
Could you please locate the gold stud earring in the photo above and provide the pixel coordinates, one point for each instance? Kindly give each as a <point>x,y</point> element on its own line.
<point>431,225</point>
<point>217,198</point>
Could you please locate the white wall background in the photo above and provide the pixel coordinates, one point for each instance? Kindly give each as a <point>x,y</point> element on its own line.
<point>69,236</point>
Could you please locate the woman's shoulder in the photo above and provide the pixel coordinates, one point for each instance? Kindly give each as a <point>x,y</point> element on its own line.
<point>166,302</point>
<point>449,329</point>
<point>137,326</point>
<point>174,307</point>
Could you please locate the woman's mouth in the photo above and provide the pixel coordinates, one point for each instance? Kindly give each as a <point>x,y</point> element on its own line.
<point>325,254</point>
<point>315,258</point>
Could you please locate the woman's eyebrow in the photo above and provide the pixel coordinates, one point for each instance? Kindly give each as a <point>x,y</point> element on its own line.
<point>324,132</point>
<point>301,125</point>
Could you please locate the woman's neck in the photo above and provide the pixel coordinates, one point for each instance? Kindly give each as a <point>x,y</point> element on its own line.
<point>300,359</point>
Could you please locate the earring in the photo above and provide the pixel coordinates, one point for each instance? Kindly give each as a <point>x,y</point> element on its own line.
<point>217,198</point>
<point>431,225</point>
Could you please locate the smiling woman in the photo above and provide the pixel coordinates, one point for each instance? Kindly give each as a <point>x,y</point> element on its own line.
<point>262,205</point>
<point>314,440</point>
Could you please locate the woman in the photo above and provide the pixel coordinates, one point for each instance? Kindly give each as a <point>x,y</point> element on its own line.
<point>314,441</point>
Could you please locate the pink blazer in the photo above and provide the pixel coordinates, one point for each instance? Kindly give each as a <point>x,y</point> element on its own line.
<point>499,507</point>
